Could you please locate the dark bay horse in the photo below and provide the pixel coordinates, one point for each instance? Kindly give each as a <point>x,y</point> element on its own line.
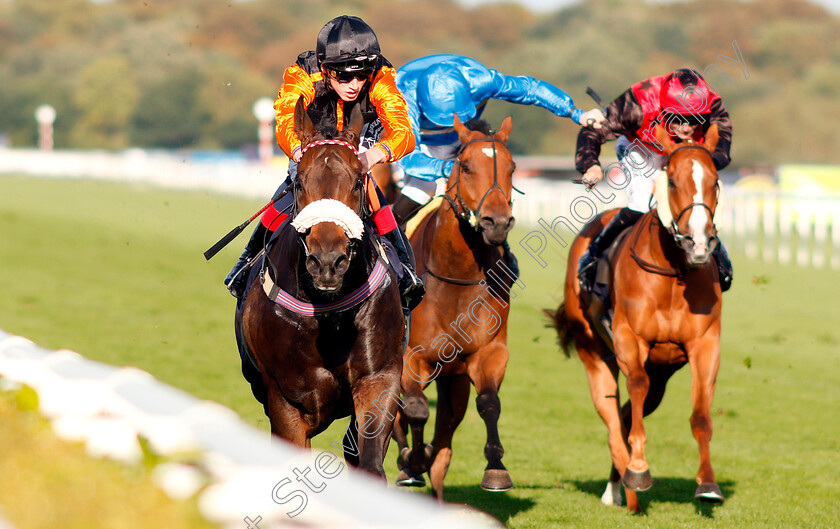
<point>321,327</point>
<point>459,330</point>
<point>667,307</point>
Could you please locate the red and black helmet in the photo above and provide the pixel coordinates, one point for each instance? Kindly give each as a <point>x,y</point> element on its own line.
<point>348,44</point>
<point>685,93</point>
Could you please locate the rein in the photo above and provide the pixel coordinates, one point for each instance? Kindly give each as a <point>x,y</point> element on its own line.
<point>451,280</point>
<point>651,267</point>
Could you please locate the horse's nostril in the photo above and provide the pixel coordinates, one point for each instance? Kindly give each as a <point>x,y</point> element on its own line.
<point>342,263</point>
<point>487,222</point>
<point>313,264</point>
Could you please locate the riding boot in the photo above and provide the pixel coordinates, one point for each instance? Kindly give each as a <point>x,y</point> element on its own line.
<point>405,208</point>
<point>588,261</point>
<point>411,286</point>
<point>724,266</point>
<point>510,260</point>
<point>237,278</point>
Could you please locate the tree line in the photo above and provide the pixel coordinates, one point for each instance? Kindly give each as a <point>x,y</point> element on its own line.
<point>184,74</point>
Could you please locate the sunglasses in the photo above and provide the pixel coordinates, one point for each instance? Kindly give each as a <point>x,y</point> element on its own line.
<point>346,77</point>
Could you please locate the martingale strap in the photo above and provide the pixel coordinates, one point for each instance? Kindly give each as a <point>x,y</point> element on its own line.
<point>283,298</point>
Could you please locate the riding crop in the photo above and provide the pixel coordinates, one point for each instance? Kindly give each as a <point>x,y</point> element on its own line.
<point>224,241</point>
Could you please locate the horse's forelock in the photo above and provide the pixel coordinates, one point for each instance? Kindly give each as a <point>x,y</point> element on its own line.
<point>479,125</point>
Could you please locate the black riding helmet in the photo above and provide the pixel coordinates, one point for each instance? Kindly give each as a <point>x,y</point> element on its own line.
<point>348,44</point>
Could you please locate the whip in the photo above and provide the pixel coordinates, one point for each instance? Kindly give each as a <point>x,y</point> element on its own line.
<point>224,241</point>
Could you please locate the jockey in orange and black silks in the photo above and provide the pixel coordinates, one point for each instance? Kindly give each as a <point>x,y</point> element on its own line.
<point>346,69</point>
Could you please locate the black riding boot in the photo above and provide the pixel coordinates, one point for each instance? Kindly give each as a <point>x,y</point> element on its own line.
<point>411,286</point>
<point>588,261</point>
<point>724,266</point>
<point>238,275</point>
<point>404,209</point>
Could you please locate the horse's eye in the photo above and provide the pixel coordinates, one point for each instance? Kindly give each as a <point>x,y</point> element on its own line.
<point>465,169</point>
<point>671,183</point>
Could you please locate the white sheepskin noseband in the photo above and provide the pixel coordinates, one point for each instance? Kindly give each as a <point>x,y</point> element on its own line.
<point>330,210</point>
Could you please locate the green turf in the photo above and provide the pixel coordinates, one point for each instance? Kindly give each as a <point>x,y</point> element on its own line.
<point>117,274</point>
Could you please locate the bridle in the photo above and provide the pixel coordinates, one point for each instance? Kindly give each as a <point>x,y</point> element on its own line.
<point>462,210</point>
<point>459,205</point>
<point>674,229</point>
<point>361,210</point>
<point>679,238</point>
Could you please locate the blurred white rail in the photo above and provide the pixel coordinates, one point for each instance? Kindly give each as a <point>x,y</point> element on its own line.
<point>234,468</point>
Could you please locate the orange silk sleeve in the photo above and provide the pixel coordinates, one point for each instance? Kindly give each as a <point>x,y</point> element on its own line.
<point>397,139</point>
<point>296,83</point>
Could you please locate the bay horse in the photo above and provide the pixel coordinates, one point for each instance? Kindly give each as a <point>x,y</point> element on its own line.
<point>667,309</point>
<point>320,329</point>
<point>458,332</point>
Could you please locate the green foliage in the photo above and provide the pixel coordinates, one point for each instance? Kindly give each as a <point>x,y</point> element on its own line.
<point>105,94</point>
<point>228,54</point>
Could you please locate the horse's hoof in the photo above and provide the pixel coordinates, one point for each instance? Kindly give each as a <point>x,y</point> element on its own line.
<point>404,479</point>
<point>637,481</point>
<point>496,481</point>
<point>709,492</point>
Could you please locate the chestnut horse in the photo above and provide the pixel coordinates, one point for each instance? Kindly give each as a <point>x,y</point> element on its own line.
<point>321,327</point>
<point>459,331</point>
<point>667,306</point>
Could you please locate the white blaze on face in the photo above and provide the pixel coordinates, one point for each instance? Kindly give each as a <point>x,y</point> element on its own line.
<point>488,151</point>
<point>698,217</point>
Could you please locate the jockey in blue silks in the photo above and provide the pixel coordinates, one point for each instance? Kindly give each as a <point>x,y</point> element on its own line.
<point>439,86</point>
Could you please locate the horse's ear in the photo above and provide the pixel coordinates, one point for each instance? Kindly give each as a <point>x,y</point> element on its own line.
<point>463,132</point>
<point>504,130</point>
<point>357,121</point>
<point>304,128</point>
<point>668,145</point>
<point>712,137</point>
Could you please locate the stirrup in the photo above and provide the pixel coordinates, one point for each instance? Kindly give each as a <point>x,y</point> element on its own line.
<point>237,279</point>
<point>586,272</point>
<point>412,288</point>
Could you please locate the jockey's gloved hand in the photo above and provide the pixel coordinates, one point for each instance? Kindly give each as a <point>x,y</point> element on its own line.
<point>592,118</point>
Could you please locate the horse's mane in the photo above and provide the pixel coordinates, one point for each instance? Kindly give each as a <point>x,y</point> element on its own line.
<point>479,125</point>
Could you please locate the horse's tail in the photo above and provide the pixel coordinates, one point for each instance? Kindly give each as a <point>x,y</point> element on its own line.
<point>560,322</point>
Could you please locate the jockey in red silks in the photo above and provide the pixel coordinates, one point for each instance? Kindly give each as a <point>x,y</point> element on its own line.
<point>346,69</point>
<point>686,107</point>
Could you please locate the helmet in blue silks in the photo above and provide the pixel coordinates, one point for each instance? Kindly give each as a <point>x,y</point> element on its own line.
<point>442,92</point>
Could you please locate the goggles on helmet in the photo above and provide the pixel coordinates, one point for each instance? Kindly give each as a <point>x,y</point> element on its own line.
<point>345,76</point>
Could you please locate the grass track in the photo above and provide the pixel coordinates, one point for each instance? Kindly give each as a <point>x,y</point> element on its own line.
<point>116,273</point>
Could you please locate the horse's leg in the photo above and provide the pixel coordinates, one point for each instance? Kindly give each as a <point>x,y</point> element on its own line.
<point>487,369</point>
<point>413,462</point>
<point>453,398</point>
<point>351,443</point>
<point>631,354</point>
<point>704,359</point>
<point>658,381</point>
<point>375,399</point>
<point>603,386</point>
<point>287,421</point>
<point>399,434</point>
